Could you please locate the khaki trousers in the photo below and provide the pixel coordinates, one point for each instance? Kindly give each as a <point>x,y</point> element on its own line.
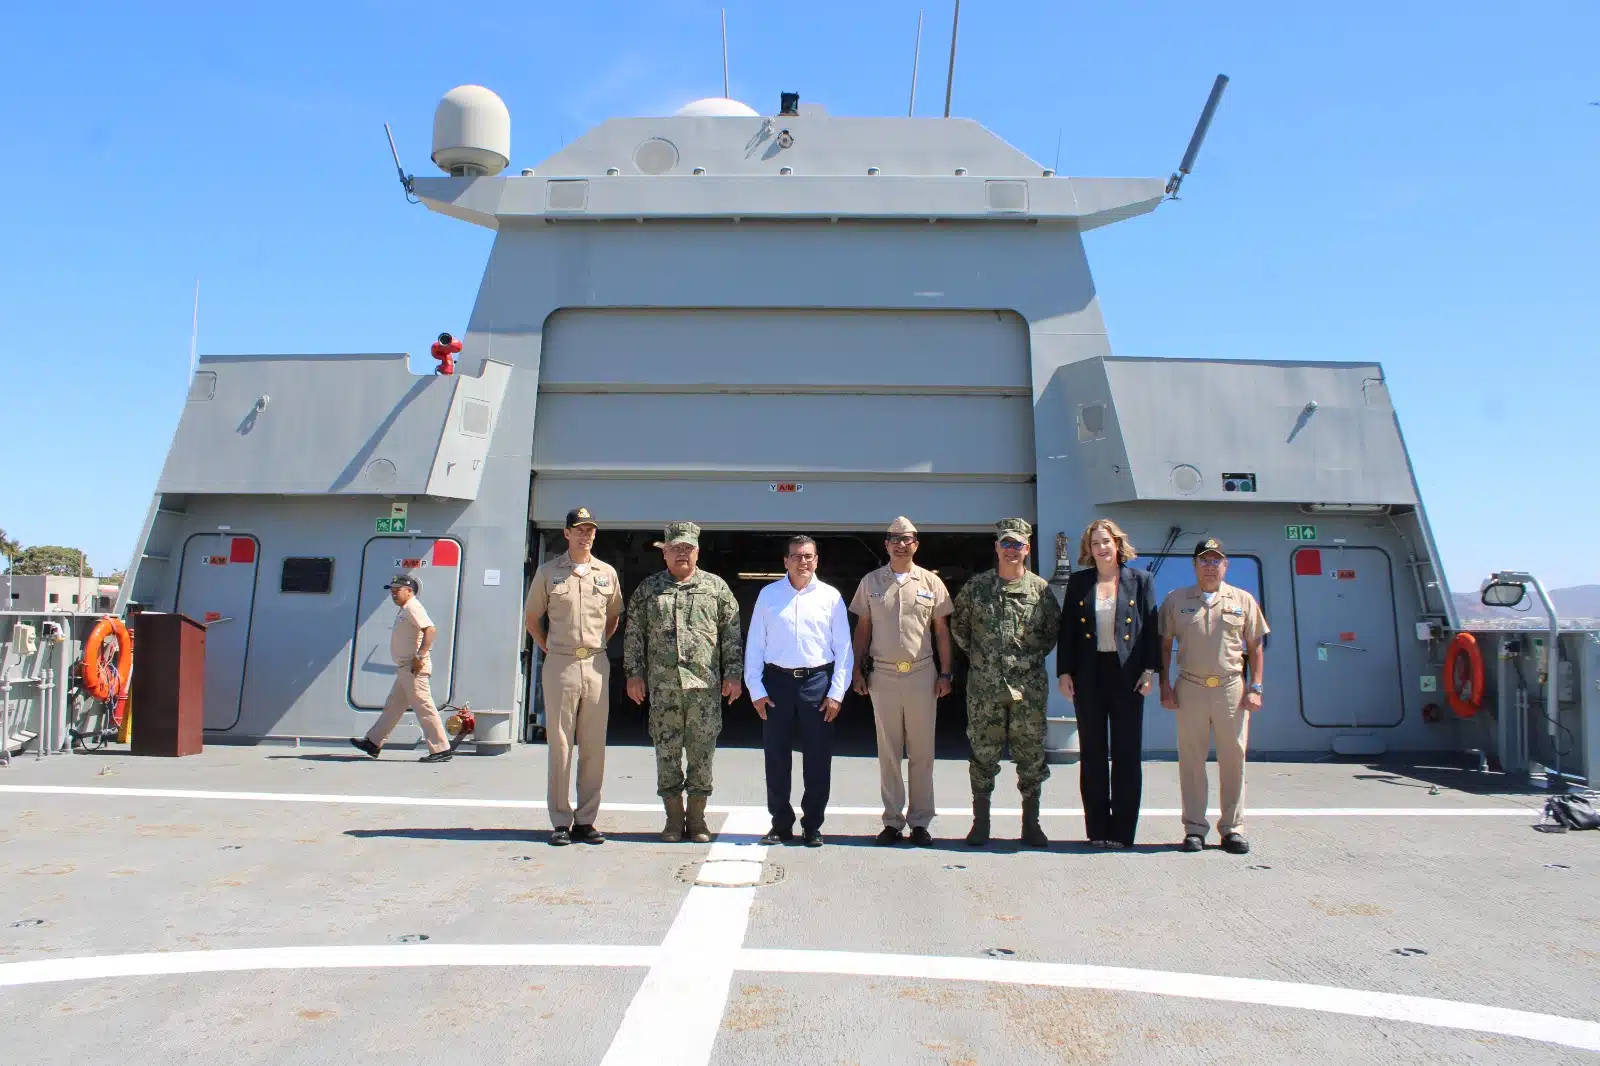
<point>1202,713</point>
<point>577,704</point>
<point>410,692</point>
<point>904,708</point>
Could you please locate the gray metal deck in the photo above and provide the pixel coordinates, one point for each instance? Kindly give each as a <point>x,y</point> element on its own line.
<point>1505,915</point>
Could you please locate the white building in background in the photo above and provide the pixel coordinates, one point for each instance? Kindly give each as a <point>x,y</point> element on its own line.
<point>49,592</point>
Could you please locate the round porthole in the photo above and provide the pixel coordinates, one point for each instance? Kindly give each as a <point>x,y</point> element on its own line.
<point>1186,480</point>
<point>655,156</point>
<point>381,472</point>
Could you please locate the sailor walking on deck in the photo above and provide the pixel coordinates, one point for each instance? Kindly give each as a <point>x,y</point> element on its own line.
<point>682,649</point>
<point>582,599</point>
<point>409,644</point>
<point>901,612</point>
<point>1007,620</point>
<point>1217,627</point>
<point>797,667</point>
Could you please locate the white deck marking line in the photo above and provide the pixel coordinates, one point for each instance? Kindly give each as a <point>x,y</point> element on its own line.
<point>351,957</point>
<point>686,991</point>
<point>652,808</point>
<point>1440,1013</point>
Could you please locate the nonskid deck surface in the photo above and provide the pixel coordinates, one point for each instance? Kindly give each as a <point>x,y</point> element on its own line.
<point>197,911</point>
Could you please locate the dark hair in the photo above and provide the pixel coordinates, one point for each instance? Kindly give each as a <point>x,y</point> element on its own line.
<point>799,540</point>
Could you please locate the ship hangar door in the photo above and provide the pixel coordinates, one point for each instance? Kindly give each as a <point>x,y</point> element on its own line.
<point>1347,637</point>
<point>436,564</point>
<point>217,586</point>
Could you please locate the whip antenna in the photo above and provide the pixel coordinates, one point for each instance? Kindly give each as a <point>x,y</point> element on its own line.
<point>405,179</point>
<point>950,79</point>
<point>916,58</point>
<point>1199,137</point>
<point>725,53</point>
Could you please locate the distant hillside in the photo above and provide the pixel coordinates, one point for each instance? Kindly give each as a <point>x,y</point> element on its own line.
<point>1579,601</point>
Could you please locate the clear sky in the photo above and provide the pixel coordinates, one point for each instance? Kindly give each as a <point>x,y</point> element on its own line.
<point>1403,182</point>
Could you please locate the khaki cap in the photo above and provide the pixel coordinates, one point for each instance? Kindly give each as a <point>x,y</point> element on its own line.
<point>902,525</point>
<point>1012,527</point>
<point>680,533</point>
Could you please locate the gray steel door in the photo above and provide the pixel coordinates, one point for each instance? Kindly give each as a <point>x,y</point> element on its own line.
<point>436,564</point>
<point>217,586</point>
<point>1346,636</point>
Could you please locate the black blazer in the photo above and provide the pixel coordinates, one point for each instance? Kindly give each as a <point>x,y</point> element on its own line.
<point>1138,625</point>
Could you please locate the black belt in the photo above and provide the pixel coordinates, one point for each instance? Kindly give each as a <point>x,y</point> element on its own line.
<point>800,671</point>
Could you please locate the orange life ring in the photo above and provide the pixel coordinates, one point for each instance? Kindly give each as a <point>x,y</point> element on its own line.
<point>1463,674</point>
<point>103,681</point>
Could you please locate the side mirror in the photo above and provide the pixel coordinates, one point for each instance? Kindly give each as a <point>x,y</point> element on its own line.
<point>1503,594</point>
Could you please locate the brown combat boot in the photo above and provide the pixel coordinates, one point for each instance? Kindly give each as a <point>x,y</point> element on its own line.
<point>672,832</point>
<point>1032,832</point>
<point>978,835</point>
<point>695,827</point>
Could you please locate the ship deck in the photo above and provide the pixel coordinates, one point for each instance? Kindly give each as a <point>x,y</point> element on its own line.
<point>265,904</point>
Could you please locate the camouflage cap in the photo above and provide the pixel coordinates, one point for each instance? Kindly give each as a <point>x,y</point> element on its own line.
<point>1012,527</point>
<point>1210,544</point>
<point>902,525</point>
<point>680,533</point>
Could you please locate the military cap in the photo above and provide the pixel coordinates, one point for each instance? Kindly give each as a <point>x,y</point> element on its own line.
<point>1012,527</point>
<point>680,533</point>
<point>404,581</point>
<point>1210,544</point>
<point>580,516</point>
<point>901,526</point>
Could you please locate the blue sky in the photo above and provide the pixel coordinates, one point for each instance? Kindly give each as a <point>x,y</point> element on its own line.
<point>1405,183</point>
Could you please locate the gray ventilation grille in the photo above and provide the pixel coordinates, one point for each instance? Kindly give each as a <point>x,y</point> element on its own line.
<point>475,418</point>
<point>566,195</point>
<point>204,386</point>
<point>1006,195</point>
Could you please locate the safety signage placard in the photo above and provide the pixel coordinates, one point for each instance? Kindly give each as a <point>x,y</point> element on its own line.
<point>391,525</point>
<point>1300,532</point>
<point>398,510</point>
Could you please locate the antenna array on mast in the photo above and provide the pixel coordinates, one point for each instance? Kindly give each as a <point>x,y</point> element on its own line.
<point>1199,136</point>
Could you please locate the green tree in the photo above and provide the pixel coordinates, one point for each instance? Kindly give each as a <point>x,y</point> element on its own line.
<point>9,548</point>
<point>116,577</point>
<point>51,559</point>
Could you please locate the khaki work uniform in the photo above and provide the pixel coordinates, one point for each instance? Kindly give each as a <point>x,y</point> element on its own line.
<point>901,684</point>
<point>1213,640</point>
<point>411,690</point>
<point>580,609</point>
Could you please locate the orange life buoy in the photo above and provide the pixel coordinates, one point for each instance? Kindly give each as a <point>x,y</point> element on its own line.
<point>103,680</point>
<point>1463,673</point>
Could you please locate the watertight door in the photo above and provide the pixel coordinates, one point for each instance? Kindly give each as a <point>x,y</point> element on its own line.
<point>217,586</point>
<point>436,564</point>
<point>1347,638</point>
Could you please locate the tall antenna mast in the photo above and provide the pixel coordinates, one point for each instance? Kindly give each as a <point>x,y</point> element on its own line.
<point>916,59</point>
<point>725,53</point>
<point>950,79</point>
<point>194,329</point>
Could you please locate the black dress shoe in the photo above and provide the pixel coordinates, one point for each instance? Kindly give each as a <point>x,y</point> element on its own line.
<point>920,837</point>
<point>437,756</point>
<point>813,838</point>
<point>587,834</point>
<point>560,837</point>
<point>1193,842</point>
<point>363,744</point>
<point>776,836</point>
<point>889,836</point>
<point>1235,844</point>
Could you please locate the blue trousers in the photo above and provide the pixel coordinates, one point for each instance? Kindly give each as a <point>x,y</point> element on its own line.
<point>797,702</point>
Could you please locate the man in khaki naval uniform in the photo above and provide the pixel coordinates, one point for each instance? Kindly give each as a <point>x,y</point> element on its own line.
<point>409,644</point>
<point>1217,627</point>
<point>582,599</point>
<point>901,610</point>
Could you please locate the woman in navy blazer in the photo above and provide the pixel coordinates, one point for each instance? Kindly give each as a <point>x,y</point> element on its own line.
<point>1107,657</point>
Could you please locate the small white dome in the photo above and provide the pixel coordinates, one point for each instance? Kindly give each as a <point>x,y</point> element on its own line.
<point>471,132</point>
<point>717,107</point>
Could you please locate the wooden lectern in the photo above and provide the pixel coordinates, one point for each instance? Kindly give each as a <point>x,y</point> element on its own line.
<point>169,685</point>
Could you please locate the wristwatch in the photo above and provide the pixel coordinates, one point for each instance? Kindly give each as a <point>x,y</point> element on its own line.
<point>1255,687</point>
<point>946,677</point>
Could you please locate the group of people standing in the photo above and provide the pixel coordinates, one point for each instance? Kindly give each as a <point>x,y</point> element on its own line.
<point>682,652</point>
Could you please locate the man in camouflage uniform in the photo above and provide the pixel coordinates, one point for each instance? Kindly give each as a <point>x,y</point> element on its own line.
<point>1006,621</point>
<point>682,649</point>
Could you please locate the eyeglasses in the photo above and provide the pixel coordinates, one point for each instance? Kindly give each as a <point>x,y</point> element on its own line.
<point>1012,545</point>
<point>903,539</point>
<point>1210,560</point>
<point>804,559</point>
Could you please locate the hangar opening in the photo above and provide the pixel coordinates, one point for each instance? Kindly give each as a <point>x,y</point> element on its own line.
<point>748,560</point>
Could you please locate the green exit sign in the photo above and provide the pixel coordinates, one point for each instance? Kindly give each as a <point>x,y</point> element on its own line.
<point>1300,532</point>
<point>391,525</point>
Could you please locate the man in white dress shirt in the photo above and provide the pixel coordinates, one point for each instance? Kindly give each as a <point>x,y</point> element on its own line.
<point>797,665</point>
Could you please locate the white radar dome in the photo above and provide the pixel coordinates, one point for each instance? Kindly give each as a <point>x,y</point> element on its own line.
<point>717,107</point>
<point>471,132</point>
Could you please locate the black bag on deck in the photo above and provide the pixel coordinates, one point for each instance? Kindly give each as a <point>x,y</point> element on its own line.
<point>1572,812</point>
